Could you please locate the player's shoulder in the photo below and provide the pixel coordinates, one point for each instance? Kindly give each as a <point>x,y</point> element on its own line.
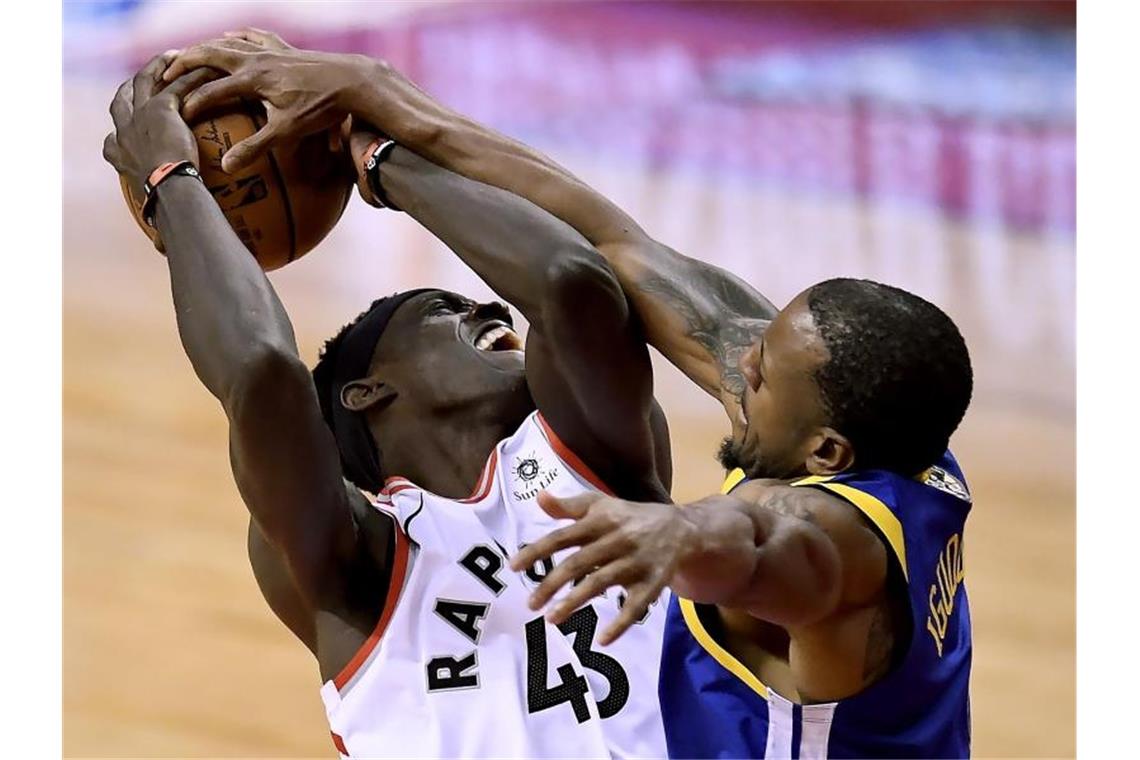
<point>822,508</point>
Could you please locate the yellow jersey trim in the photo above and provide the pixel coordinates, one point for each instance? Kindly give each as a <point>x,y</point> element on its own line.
<point>719,653</point>
<point>732,480</point>
<point>876,511</point>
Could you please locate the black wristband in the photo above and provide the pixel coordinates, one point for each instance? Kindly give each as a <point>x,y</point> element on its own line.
<point>372,173</point>
<point>156,178</point>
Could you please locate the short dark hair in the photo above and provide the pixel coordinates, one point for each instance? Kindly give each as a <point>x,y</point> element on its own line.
<point>898,377</point>
<point>326,361</point>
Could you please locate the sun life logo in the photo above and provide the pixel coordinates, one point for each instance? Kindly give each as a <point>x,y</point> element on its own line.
<point>527,469</point>
<point>531,476</point>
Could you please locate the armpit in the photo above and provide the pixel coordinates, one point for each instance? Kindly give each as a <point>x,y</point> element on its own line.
<point>277,588</point>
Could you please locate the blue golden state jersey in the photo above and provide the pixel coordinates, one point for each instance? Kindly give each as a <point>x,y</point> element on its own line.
<point>713,706</point>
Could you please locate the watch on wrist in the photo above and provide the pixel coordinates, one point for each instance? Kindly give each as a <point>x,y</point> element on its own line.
<point>377,153</point>
<point>162,173</point>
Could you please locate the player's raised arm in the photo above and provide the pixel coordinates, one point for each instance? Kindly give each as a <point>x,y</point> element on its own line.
<point>587,364</point>
<point>702,318</point>
<point>699,316</point>
<point>240,342</point>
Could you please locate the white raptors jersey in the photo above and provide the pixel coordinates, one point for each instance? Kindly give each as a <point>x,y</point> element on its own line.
<point>459,666</point>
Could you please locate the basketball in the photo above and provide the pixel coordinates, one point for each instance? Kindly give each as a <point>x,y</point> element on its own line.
<point>283,204</point>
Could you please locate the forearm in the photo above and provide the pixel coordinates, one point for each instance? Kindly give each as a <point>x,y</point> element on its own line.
<point>228,314</point>
<point>508,241</point>
<point>240,343</point>
<point>778,567</point>
<point>699,316</point>
<point>416,120</point>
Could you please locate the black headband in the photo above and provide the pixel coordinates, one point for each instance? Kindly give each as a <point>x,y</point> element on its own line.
<point>358,454</point>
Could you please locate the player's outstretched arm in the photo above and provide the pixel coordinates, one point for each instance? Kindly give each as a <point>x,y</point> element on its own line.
<point>790,556</point>
<point>240,342</point>
<point>699,316</point>
<point>586,360</point>
<point>800,558</point>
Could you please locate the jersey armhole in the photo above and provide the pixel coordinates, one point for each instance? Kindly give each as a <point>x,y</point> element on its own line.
<point>397,582</point>
<point>690,614</point>
<point>889,530</point>
<point>572,460</point>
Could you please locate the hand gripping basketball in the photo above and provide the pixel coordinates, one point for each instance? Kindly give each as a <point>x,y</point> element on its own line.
<point>303,91</point>
<point>262,201</point>
<point>149,131</point>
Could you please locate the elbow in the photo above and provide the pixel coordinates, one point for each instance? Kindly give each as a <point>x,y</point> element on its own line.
<point>580,283</point>
<point>798,581</point>
<point>642,255</point>
<point>267,376</point>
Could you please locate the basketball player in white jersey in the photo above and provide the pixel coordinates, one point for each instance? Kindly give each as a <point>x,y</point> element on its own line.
<point>422,634</point>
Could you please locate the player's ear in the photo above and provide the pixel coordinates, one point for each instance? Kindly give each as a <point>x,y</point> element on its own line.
<point>359,395</point>
<point>831,453</point>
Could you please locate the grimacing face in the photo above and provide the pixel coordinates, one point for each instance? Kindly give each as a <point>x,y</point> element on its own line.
<point>442,350</point>
<point>784,412</point>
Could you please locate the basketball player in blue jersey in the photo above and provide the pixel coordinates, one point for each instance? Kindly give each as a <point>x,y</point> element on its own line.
<point>819,605</point>
<point>819,608</point>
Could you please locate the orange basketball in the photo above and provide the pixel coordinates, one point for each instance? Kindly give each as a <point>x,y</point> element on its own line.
<point>281,205</point>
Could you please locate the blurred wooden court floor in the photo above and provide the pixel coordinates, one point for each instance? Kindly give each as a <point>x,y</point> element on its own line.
<point>169,650</point>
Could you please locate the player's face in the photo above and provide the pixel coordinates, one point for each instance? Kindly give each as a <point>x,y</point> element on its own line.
<point>781,402</point>
<point>442,350</point>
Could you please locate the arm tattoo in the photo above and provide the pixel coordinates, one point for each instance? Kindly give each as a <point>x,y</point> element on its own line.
<point>723,315</point>
<point>790,502</point>
<point>726,346</point>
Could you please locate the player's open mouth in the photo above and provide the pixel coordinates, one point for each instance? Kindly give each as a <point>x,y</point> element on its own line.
<point>498,337</point>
